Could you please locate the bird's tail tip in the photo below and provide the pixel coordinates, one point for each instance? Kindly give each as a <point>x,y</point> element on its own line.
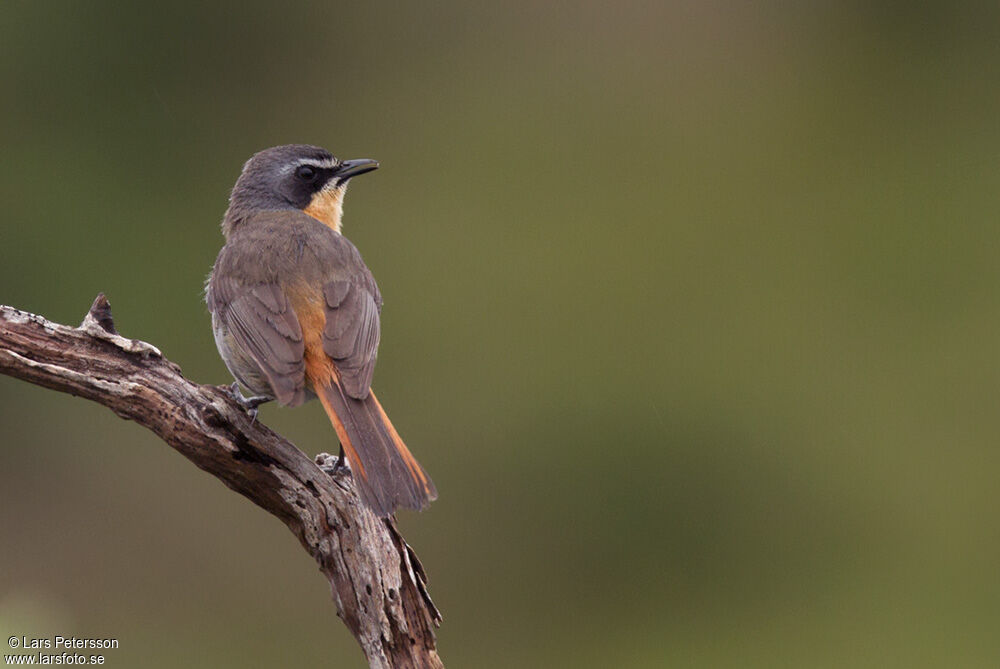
<point>386,474</point>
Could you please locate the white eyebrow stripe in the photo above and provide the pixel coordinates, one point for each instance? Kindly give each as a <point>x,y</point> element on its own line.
<point>325,164</point>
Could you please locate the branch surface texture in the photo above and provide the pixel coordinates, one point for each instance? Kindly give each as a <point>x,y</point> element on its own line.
<point>377,581</point>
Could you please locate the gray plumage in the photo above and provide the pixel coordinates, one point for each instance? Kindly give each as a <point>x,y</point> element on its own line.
<point>268,255</point>
<point>295,312</point>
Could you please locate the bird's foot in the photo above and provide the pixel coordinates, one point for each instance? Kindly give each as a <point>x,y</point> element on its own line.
<point>332,464</point>
<point>340,464</point>
<point>249,404</point>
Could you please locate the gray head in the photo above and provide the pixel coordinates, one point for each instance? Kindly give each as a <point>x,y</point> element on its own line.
<point>293,176</point>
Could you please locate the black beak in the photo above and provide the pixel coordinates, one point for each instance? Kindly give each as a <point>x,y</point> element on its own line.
<point>352,168</point>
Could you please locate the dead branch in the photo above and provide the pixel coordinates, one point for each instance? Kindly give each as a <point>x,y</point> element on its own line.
<point>377,582</point>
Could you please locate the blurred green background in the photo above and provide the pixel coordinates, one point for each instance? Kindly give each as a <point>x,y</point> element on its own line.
<point>691,310</point>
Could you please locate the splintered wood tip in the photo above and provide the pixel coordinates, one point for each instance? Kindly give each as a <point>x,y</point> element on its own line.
<point>100,311</point>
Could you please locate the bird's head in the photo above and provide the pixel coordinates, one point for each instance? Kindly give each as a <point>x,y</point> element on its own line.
<point>294,176</point>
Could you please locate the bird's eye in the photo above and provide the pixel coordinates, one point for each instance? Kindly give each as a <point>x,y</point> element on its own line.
<point>306,173</point>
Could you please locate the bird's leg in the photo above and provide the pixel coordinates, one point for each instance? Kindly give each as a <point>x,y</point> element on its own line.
<point>341,463</point>
<point>332,465</point>
<point>249,404</point>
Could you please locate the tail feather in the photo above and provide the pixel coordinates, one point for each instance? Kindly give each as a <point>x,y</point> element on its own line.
<point>386,473</point>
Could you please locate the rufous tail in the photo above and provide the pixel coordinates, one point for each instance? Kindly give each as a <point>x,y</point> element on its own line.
<point>386,474</point>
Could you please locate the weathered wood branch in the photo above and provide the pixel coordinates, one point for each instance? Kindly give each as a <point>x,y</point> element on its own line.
<point>377,582</point>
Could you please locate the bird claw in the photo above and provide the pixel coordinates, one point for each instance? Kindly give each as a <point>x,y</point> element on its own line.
<point>249,404</point>
<point>332,465</point>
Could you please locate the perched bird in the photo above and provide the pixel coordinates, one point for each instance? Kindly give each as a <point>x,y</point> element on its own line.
<point>295,313</point>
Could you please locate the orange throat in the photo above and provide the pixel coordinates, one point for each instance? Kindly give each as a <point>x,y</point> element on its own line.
<point>327,207</point>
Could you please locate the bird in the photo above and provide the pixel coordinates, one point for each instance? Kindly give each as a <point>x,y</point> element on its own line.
<point>296,313</point>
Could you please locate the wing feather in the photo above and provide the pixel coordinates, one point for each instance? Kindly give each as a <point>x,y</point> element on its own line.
<point>263,326</point>
<point>351,335</point>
